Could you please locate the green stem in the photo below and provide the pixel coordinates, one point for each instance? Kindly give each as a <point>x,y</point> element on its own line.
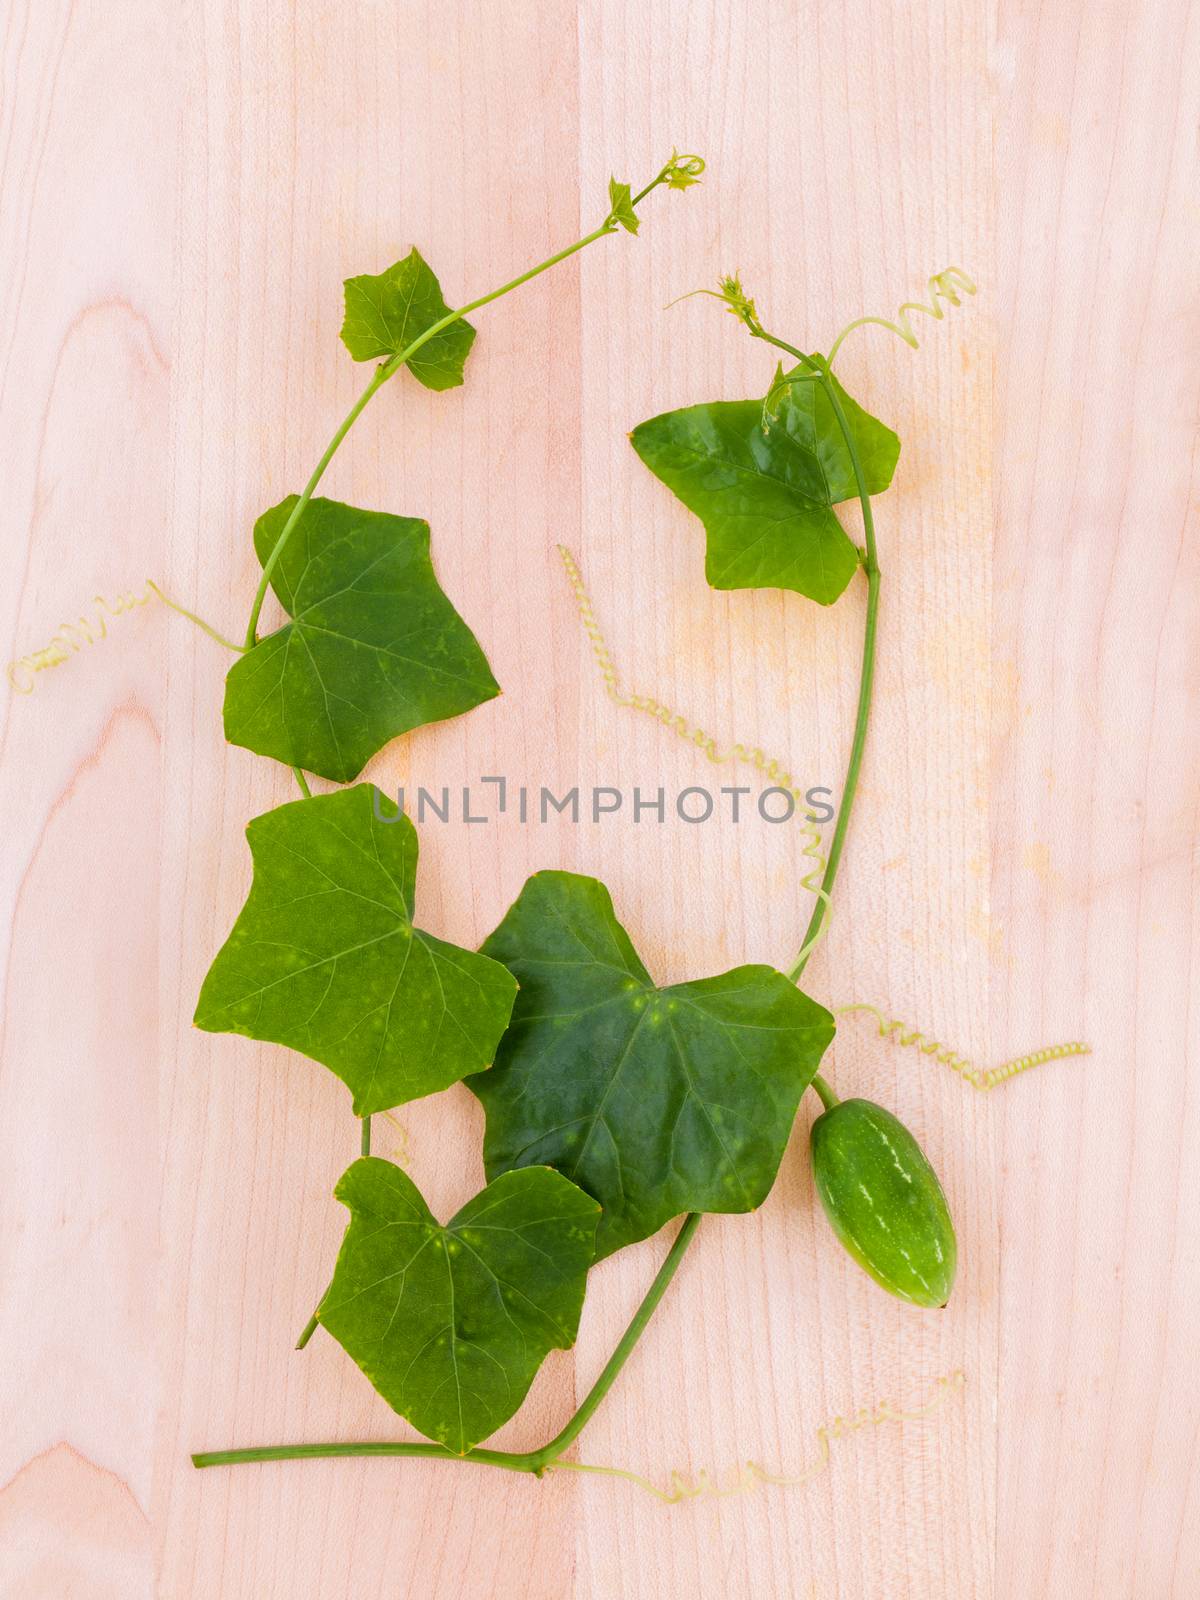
<point>378,379</point>
<point>365,1447</point>
<point>303,782</point>
<point>563,1440</point>
<point>535,1461</point>
<point>391,366</point>
<point>824,1091</point>
<point>866,684</point>
<point>850,786</point>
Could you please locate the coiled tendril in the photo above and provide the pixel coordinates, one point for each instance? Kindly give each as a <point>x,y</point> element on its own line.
<point>749,1476</point>
<point>892,1029</point>
<point>901,1033</point>
<point>942,286</point>
<point>948,285</point>
<point>73,636</point>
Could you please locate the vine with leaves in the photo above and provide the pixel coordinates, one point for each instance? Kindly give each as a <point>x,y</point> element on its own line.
<point>613,1105</point>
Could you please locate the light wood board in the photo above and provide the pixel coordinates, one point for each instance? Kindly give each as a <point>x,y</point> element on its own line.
<point>182,189</point>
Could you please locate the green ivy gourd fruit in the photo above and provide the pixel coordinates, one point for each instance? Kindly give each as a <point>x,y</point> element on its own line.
<point>884,1201</point>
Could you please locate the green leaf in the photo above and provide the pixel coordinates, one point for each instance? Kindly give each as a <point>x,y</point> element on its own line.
<point>324,957</point>
<point>656,1101</point>
<point>451,1322</point>
<point>763,478</point>
<point>802,408</point>
<point>374,647</point>
<point>386,311</point>
<point>621,205</point>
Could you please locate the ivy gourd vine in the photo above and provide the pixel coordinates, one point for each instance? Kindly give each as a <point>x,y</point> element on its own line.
<point>612,1105</point>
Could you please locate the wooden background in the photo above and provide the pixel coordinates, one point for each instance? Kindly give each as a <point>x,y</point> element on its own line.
<point>182,190</point>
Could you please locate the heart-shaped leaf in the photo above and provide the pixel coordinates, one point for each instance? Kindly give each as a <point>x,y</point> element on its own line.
<point>386,311</point>
<point>374,647</point>
<point>763,479</point>
<point>451,1322</point>
<point>324,957</point>
<point>656,1101</point>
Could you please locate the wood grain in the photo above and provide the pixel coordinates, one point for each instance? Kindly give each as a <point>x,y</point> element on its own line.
<point>1096,758</point>
<point>181,193</point>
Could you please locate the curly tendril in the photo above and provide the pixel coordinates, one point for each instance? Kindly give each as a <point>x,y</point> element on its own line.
<point>814,884</point>
<point>750,1476</point>
<point>942,286</point>
<point>72,637</point>
<point>772,770</point>
<point>776,773</point>
<point>901,1033</point>
<point>949,285</point>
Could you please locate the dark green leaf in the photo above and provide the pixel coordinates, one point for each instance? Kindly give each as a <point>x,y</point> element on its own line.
<point>451,1323</point>
<point>324,957</point>
<point>621,205</point>
<point>386,311</point>
<point>763,478</point>
<point>656,1101</point>
<point>374,648</point>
